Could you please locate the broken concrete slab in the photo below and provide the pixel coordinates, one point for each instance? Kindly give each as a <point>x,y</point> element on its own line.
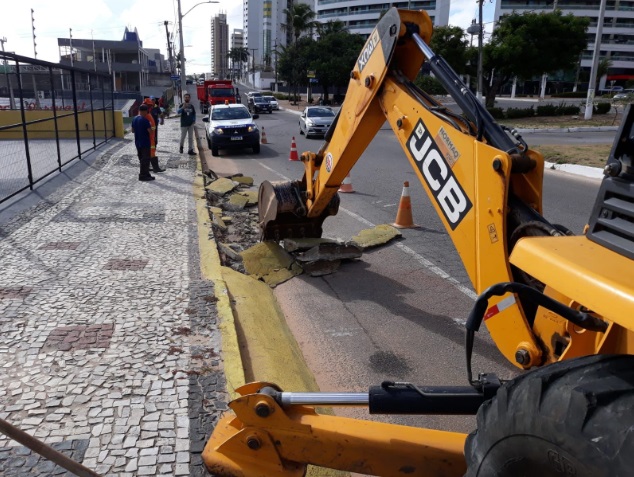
<point>269,262</point>
<point>303,244</point>
<point>235,202</point>
<point>226,219</point>
<point>222,186</point>
<point>218,222</point>
<point>321,267</point>
<point>215,210</point>
<point>245,180</point>
<point>252,195</point>
<point>379,235</point>
<point>229,252</point>
<point>331,251</point>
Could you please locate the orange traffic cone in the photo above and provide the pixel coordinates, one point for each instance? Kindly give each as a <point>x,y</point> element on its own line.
<point>263,140</point>
<point>293,155</point>
<point>346,186</point>
<point>404,219</point>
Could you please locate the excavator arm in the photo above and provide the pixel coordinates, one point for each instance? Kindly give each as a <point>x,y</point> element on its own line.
<point>544,296</point>
<point>471,168</point>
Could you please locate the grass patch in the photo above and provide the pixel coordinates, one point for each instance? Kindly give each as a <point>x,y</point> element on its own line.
<point>594,155</point>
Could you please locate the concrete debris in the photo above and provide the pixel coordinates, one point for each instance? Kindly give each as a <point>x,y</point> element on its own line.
<point>321,267</point>
<point>269,262</point>
<point>215,210</point>
<point>331,251</point>
<point>236,202</point>
<point>219,223</point>
<point>222,186</point>
<point>245,180</point>
<point>379,235</point>
<point>229,252</point>
<point>303,244</point>
<point>226,219</point>
<point>252,195</point>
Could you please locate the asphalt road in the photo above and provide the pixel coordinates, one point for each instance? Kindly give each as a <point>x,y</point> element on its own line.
<point>397,313</point>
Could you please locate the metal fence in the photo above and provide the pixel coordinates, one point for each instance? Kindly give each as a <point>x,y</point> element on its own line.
<point>50,115</point>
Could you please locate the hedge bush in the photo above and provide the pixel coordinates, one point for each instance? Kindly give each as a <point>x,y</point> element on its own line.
<point>514,113</point>
<point>497,113</point>
<point>602,108</point>
<point>570,94</point>
<point>561,109</point>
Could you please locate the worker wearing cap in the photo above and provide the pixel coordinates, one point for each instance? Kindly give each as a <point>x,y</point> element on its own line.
<point>153,159</point>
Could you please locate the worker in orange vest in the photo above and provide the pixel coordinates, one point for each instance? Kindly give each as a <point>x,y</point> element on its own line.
<point>153,159</point>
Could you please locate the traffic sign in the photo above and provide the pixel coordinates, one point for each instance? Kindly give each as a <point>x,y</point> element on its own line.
<point>175,77</point>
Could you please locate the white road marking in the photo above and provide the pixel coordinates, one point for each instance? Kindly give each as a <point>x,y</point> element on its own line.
<point>390,205</point>
<point>418,257</point>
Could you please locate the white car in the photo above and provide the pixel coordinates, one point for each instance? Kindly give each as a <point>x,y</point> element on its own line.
<point>273,102</point>
<point>315,120</point>
<point>231,126</point>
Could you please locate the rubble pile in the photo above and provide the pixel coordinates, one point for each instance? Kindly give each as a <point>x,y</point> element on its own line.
<point>231,203</point>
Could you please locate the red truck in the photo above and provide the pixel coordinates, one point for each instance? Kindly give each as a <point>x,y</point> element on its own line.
<point>215,92</point>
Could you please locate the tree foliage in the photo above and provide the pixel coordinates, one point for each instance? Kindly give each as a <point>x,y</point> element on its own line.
<point>530,44</point>
<point>300,18</point>
<point>450,43</point>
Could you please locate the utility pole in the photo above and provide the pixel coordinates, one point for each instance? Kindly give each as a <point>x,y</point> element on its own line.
<point>169,48</point>
<point>182,52</point>
<point>33,30</point>
<point>275,51</point>
<point>595,62</point>
<point>6,72</point>
<point>71,46</point>
<point>480,41</point>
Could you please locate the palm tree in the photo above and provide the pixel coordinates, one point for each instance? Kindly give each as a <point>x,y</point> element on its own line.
<point>239,55</point>
<point>300,18</point>
<point>331,26</point>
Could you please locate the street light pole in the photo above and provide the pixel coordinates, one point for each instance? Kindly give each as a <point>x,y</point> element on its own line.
<point>595,62</point>
<point>182,45</point>
<point>480,41</point>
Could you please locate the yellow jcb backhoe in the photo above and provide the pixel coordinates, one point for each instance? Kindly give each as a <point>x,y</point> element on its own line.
<point>558,303</point>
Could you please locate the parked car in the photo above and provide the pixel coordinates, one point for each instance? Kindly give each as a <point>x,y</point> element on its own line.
<point>275,106</point>
<point>231,126</point>
<point>258,104</point>
<point>315,120</point>
<point>625,94</point>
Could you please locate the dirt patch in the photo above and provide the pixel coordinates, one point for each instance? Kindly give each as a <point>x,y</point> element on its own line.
<point>613,118</point>
<point>593,155</point>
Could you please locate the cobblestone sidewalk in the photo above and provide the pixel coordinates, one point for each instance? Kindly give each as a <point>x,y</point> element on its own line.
<point>109,348</point>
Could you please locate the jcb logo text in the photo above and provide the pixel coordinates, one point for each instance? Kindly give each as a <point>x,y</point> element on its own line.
<point>438,175</point>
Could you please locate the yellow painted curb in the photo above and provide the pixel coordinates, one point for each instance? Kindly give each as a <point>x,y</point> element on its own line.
<point>211,270</point>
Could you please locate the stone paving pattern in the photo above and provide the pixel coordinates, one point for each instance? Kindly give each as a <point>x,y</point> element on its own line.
<point>109,347</point>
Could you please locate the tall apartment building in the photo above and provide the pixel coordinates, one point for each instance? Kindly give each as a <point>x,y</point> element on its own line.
<point>617,39</point>
<point>263,22</point>
<point>237,38</point>
<point>362,17</point>
<point>220,46</point>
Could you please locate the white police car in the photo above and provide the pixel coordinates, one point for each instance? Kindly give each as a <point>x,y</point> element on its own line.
<point>231,126</point>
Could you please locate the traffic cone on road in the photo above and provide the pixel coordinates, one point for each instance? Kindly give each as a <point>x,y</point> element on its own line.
<point>404,219</point>
<point>263,140</point>
<point>346,186</point>
<point>293,155</point>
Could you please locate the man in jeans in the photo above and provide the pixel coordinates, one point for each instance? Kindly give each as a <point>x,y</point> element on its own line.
<point>142,132</point>
<point>188,119</point>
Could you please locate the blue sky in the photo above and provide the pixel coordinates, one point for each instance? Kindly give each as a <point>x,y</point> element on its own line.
<point>107,19</point>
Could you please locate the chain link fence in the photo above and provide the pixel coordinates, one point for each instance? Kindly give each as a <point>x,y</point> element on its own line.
<point>50,115</point>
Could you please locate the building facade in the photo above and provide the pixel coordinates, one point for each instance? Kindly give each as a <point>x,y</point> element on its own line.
<point>617,39</point>
<point>362,16</point>
<point>220,46</point>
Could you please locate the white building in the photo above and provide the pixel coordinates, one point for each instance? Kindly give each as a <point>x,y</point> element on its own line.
<point>362,16</point>
<point>617,39</point>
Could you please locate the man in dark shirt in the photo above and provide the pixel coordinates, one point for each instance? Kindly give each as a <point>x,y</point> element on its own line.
<point>188,119</point>
<point>142,131</point>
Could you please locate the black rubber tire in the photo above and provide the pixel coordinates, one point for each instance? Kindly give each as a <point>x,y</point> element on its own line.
<point>300,131</point>
<point>256,149</point>
<point>214,150</point>
<point>572,418</point>
<point>209,143</point>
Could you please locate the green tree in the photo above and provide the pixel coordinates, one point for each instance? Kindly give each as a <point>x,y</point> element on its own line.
<point>300,18</point>
<point>293,63</point>
<point>531,44</point>
<point>602,69</point>
<point>450,42</point>
<point>333,70</point>
<point>331,26</point>
<point>239,55</point>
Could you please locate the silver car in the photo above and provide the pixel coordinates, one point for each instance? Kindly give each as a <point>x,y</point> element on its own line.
<point>273,102</point>
<point>315,120</point>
